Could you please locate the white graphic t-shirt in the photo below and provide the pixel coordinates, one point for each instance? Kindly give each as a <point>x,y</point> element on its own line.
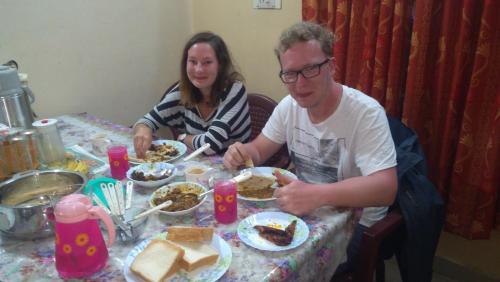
<point>354,141</point>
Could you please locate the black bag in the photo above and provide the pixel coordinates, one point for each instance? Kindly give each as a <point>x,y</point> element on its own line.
<point>420,204</point>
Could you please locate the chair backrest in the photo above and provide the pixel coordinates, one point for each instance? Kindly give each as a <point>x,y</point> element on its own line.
<point>261,108</point>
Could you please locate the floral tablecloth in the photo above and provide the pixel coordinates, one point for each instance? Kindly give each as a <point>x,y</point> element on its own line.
<point>315,260</point>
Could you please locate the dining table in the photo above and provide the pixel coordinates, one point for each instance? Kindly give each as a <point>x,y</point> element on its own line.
<point>316,259</point>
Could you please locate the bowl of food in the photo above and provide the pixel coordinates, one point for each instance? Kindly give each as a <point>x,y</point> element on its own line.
<point>152,175</point>
<point>27,199</point>
<point>184,196</point>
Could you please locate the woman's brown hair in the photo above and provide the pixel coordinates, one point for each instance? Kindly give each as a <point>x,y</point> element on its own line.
<point>226,75</point>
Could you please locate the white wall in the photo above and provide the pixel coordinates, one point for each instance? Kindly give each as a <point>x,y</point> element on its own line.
<point>251,35</point>
<point>110,58</point>
<point>115,58</point>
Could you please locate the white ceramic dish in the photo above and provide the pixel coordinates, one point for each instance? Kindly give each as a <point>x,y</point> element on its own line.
<point>165,189</point>
<point>181,148</point>
<point>206,273</point>
<point>267,172</point>
<point>250,236</point>
<point>155,169</point>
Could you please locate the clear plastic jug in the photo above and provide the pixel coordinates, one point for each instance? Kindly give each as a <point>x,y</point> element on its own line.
<point>50,145</point>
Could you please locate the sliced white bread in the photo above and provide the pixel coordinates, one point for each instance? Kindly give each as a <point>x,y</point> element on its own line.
<point>190,234</point>
<point>157,261</point>
<point>196,254</point>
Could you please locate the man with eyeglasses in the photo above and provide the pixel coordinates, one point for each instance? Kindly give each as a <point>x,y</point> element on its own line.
<point>338,138</point>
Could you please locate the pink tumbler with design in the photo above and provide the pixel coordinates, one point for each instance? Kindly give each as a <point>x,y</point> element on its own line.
<point>225,202</point>
<point>118,161</point>
<point>80,248</point>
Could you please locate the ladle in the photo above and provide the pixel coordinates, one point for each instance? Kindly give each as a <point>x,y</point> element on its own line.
<point>36,201</point>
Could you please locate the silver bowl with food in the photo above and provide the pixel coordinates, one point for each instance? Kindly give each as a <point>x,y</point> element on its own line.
<point>27,199</point>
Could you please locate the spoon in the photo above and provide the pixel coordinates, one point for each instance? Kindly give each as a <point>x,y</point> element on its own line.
<point>164,172</point>
<point>197,152</point>
<point>158,207</point>
<point>239,178</point>
<point>124,226</point>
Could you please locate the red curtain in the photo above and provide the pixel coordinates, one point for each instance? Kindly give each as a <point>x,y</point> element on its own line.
<point>445,86</point>
<point>371,39</point>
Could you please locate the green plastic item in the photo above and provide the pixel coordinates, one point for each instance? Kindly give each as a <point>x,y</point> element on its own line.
<point>95,186</point>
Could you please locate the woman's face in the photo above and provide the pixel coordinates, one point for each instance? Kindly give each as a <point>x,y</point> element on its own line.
<point>202,66</point>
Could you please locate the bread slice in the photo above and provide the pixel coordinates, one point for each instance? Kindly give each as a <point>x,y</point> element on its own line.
<point>197,254</point>
<point>157,261</point>
<point>190,234</point>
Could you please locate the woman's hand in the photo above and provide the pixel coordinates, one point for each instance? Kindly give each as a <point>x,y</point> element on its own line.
<point>143,137</point>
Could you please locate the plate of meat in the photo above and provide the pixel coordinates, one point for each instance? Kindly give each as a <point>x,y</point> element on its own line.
<point>160,151</point>
<point>273,231</point>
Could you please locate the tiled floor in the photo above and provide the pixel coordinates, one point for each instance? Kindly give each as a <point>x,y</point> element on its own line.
<point>459,259</point>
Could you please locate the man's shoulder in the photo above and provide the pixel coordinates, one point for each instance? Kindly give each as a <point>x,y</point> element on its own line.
<point>287,101</point>
<point>357,97</point>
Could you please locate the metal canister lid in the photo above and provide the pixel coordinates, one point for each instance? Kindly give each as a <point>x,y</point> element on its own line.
<point>10,131</point>
<point>29,133</point>
<point>16,138</point>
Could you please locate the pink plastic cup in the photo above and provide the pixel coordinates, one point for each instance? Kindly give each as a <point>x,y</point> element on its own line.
<point>118,161</point>
<point>225,201</point>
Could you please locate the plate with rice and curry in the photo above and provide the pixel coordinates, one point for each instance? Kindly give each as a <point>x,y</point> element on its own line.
<point>161,151</point>
<point>260,187</point>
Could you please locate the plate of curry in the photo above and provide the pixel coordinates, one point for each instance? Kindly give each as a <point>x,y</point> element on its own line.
<point>260,187</point>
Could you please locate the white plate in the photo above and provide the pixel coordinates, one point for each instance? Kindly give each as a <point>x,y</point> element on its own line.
<point>181,148</point>
<point>205,273</point>
<point>250,236</point>
<point>267,172</point>
<point>165,189</point>
<point>152,168</point>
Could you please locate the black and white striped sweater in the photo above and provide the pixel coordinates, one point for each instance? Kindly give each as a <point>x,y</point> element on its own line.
<point>229,123</point>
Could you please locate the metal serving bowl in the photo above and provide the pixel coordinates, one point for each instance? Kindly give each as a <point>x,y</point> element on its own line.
<point>27,199</point>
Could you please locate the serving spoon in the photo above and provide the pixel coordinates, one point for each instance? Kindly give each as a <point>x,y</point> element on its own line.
<point>158,207</point>
<point>239,178</point>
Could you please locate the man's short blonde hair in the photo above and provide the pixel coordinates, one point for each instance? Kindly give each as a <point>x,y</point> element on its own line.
<point>303,32</point>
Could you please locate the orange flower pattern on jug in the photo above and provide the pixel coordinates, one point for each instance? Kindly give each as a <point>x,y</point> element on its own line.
<point>81,240</point>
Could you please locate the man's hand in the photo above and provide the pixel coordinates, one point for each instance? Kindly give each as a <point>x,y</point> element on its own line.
<point>282,179</point>
<point>297,198</point>
<point>236,155</point>
<point>143,137</point>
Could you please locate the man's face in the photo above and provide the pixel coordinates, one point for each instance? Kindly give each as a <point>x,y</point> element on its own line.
<point>308,92</point>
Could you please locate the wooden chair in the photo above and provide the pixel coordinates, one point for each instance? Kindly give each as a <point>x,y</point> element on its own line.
<point>375,248</point>
<point>261,108</point>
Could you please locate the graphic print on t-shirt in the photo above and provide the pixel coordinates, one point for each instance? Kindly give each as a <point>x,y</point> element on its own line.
<point>316,160</point>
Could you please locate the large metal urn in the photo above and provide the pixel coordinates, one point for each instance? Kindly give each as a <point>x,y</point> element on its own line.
<point>15,99</point>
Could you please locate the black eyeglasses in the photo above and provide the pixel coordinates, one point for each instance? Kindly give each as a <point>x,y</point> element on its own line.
<point>307,72</point>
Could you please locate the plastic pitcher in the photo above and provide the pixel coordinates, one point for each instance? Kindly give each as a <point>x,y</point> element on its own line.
<point>79,244</point>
